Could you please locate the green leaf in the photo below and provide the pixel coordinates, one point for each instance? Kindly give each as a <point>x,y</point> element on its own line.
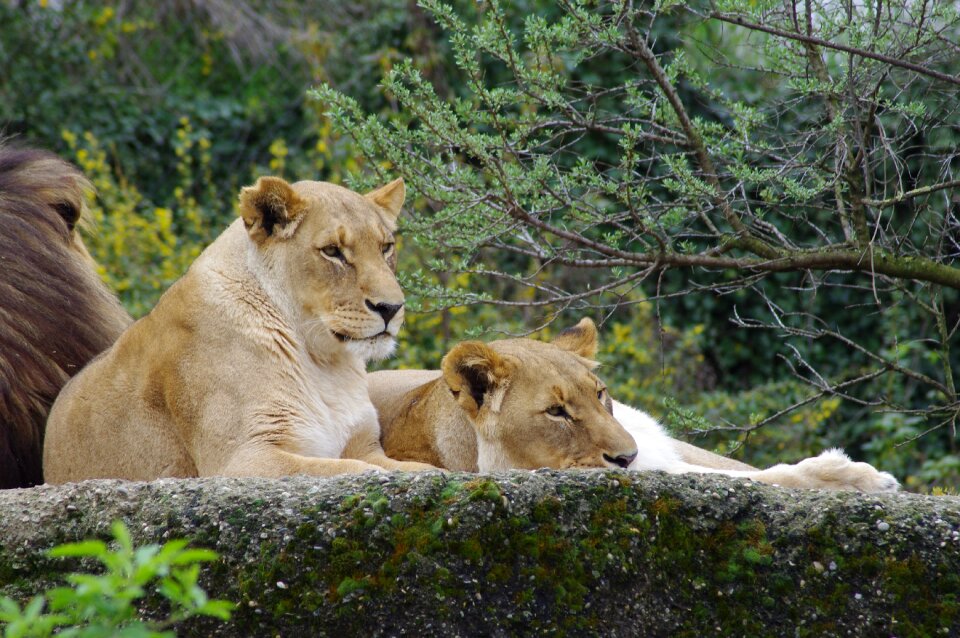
<point>189,556</point>
<point>92,549</point>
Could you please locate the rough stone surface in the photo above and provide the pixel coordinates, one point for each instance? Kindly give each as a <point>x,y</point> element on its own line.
<point>551,553</point>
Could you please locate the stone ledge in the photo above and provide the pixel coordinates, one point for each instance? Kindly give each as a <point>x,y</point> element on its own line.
<point>521,553</point>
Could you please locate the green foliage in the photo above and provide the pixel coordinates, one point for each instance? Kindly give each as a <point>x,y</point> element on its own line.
<point>141,248</point>
<point>106,604</point>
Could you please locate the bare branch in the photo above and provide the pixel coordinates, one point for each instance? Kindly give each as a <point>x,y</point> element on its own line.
<point>886,59</point>
<point>916,192</point>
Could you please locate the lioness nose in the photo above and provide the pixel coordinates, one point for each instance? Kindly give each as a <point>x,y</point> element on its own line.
<point>386,310</point>
<point>624,460</point>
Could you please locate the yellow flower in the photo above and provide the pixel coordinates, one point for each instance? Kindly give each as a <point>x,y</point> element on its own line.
<point>105,16</point>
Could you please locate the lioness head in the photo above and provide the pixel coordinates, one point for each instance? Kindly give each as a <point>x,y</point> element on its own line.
<point>329,253</point>
<point>537,404</point>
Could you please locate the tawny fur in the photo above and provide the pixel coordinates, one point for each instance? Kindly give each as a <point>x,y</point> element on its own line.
<point>253,363</point>
<point>55,312</point>
<point>488,409</point>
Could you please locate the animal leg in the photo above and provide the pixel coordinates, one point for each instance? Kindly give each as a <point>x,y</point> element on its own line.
<point>273,462</point>
<point>832,470</point>
<point>366,447</point>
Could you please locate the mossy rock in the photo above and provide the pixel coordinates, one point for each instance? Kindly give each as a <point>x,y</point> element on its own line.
<point>553,553</point>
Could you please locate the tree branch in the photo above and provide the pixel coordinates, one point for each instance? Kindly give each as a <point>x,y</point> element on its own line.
<point>917,192</point>
<point>809,39</point>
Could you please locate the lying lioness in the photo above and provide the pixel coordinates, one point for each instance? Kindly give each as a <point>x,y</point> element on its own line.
<point>253,363</point>
<point>521,403</point>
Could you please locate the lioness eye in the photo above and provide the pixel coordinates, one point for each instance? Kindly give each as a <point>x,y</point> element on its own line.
<point>557,411</point>
<point>387,248</point>
<point>600,394</point>
<point>332,252</point>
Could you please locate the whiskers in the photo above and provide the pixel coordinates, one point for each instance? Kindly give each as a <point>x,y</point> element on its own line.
<point>324,345</point>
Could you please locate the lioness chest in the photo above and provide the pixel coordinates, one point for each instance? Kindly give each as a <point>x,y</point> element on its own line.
<point>332,406</point>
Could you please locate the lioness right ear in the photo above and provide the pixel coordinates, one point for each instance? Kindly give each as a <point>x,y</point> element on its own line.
<point>389,197</point>
<point>580,339</point>
<point>473,372</point>
<point>270,208</point>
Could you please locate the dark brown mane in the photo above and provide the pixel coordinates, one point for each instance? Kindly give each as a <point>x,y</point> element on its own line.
<point>55,313</point>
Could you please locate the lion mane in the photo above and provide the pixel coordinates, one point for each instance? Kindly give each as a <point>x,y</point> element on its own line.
<point>55,312</point>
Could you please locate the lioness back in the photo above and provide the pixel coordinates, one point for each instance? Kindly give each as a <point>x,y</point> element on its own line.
<point>253,363</point>
<point>151,379</point>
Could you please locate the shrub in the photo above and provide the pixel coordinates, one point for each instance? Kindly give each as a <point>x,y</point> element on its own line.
<point>106,604</point>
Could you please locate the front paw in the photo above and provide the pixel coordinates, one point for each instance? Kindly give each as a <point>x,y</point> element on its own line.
<point>413,466</point>
<point>833,470</point>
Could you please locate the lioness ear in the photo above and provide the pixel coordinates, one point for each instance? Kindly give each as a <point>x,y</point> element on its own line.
<point>473,371</point>
<point>390,197</point>
<point>270,208</point>
<point>580,339</point>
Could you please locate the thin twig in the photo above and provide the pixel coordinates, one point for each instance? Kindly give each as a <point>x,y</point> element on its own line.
<point>809,39</point>
<point>917,192</point>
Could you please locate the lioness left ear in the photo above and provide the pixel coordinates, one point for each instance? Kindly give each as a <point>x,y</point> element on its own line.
<point>270,208</point>
<point>580,339</point>
<point>390,197</point>
<point>473,372</point>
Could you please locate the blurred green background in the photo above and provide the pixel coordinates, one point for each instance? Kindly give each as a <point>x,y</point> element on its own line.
<point>171,106</point>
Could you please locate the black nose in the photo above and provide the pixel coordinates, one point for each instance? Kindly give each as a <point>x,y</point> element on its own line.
<point>624,460</point>
<point>386,310</point>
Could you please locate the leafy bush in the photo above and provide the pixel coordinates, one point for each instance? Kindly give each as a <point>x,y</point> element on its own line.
<point>106,604</point>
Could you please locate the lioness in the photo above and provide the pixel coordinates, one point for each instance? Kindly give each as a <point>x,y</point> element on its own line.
<point>253,363</point>
<point>520,403</point>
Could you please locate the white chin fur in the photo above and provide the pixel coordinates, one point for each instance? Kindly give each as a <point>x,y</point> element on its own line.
<point>372,349</point>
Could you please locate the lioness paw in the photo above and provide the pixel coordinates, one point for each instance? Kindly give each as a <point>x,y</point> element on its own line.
<point>413,466</point>
<point>834,470</point>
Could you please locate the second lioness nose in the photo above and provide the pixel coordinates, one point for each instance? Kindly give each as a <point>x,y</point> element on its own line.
<point>386,310</point>
<point>623,460</point>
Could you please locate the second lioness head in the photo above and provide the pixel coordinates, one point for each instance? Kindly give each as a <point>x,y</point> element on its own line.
<point>535,404</point>
<point>330,252</point>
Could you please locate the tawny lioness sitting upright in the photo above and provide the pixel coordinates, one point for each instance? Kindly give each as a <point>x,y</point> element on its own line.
<point>253,363</point>
<point>521,403</point>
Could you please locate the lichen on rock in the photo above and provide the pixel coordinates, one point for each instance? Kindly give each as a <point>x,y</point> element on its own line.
<point>554,553</point>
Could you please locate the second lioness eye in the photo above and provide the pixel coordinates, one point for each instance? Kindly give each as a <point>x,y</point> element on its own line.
<point>558,411</point>
<point>333,252</point>
<point>387,249</point>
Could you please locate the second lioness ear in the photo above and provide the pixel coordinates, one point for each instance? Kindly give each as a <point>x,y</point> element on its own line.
<point>270,208</point>
<point>580,339</point>
<point>473,372</point>
<point>390,197</point>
